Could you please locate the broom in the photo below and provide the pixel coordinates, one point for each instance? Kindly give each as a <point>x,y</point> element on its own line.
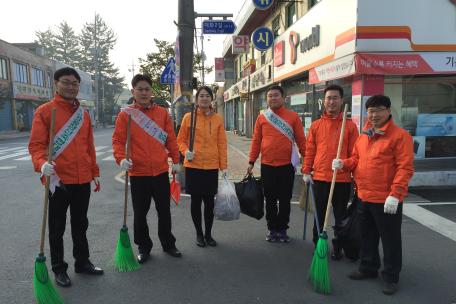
<point>319,272</point>
<point>43,288</point>
<point>124,259</point>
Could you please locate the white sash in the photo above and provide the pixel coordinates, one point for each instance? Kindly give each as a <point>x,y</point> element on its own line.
<point>63,138</point>
<point>147,124</point>
<point>283,127</point>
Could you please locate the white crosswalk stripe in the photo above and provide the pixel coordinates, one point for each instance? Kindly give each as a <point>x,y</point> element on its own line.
<point>3,151</point>
<point>22,152</point>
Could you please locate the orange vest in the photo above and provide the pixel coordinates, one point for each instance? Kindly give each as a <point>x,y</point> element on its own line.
<point>382,163</point>
<point>77,164</point>
<point>150,157</point>
<point>275,148</point>
<point>321,147</point>
<point>210,145</point>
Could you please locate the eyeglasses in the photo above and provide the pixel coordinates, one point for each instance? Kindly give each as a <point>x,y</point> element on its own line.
<point>375,110</point>
<point>69,84</point>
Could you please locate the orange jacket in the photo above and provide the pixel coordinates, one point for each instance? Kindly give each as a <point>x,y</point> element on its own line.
<point>382,163</point>
<point>321,147</point>
<point>150,157</point>
<point>210,145</point>
<point>275,147</point>
<point>77,164</point>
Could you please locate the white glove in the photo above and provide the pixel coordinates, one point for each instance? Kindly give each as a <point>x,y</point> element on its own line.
<point>189,155</point>
<point>47,169</point>
<point>337,164</point>
<point>126,164</point>
<point>96,181</point>
<point>224,173</point>
<point>391,205</point>
<point>176,168</point>
<point>307,178</point>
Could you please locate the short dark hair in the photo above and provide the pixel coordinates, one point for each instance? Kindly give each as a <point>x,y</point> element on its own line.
<point>334,87</point>
<point>66,71</point>
<point>140,77</point>
<point>276,87</point>
<point>377,101</point>
<point>207,89</point>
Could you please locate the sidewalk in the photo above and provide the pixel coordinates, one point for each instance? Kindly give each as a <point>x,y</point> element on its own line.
<point>13,134</point>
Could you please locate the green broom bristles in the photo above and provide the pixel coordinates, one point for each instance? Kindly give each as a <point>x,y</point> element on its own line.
<point>319,273</point>
<point>43,288</point>
<point>124,259</point>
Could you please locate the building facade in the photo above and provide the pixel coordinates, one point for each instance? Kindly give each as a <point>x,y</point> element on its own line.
<point>375,47</point>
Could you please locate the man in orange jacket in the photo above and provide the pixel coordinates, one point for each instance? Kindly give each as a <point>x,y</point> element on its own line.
<point>74,166</point>
<point>321,149</point>
<point>382,163</point>
<point>152,136</point>
<point>277,131</point>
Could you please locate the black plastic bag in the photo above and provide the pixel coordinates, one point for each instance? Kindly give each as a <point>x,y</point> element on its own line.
<point>349,234</point>
<point>250,194</point>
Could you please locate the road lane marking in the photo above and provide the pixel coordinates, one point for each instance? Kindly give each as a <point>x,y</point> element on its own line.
<point>109,158</point>
<point>98,148</point>
<point>11,149</point>
<point>28,157</point>
<point>8,167</point>
<point>13,155</point>
<point>238,151</point>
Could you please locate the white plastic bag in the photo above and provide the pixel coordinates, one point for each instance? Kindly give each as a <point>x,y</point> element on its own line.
<point>226,207</point>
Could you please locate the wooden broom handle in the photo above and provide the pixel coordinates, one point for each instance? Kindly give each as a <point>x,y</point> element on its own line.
<point>333,181</point>
<point>126,172</point>
<point>48,181</point>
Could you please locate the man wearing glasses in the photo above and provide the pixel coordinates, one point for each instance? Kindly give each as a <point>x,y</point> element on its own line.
<point>382,163</point>
<point>73,168</point>
<point>321,149</point>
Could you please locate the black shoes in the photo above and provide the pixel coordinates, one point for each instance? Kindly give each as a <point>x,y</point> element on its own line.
<point>200,241</point>
<point>357,275</point>
<point>88,268</point>
<point>173,252</point>
<point>390,288</point>
<point>62,279</point>
<point>143,257</point>
<point>210,241</point>
<point>337,255</point>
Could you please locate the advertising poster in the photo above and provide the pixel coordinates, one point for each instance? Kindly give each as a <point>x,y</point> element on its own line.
<point>436,125</point>
<point>419,143</point>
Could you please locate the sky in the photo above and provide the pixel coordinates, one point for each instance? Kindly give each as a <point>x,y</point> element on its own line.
<point>136,23</point>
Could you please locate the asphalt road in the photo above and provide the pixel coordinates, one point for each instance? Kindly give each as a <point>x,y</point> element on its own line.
<point>242,269</point>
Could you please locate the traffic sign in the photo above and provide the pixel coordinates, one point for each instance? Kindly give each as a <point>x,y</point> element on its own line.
<point>168,76</point>
<point>262,4</point>
<point>262,38</point>
<point>218,27</point>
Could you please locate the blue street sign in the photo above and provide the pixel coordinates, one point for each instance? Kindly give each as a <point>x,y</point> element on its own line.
<point>168,75</point>
<point>218,27</point>
<point>262,38</point>
<point>262,4</point>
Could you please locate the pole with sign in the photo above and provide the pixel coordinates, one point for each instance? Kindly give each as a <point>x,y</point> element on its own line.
<point>262,4</point>
<point>262,38</point>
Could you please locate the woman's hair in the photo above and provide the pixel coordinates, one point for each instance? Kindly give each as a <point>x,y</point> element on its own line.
<point>207,89</point>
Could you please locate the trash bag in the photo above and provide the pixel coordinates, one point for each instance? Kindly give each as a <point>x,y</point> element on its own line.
<point>250,194</point>
<point>349,233</point>
<point>226,206</point>
<point>175,189</point>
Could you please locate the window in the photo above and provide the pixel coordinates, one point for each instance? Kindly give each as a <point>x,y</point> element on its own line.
<point>263,58</point>
<point>37,77</point>
<point>20,72</point>
<point>3,69</point>
<point>312,3</point>
<point>49,80</point>
<point>291,14</point>
<point>236,69</point>
<point>276,26</point>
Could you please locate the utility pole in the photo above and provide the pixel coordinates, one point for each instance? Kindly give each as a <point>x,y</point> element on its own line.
<point>202,58</point>
<point>186,25</point>
<point>95,50</point>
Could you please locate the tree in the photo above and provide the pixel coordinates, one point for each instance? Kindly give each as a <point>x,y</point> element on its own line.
<point>47,40</point>
<point>66,45</point>
<point>154,64</point>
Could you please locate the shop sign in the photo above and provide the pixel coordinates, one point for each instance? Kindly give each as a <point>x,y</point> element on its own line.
<point>311,41</point>
<point>279,53</point>
<point>241,44</point>
<point>261,78</point>
<point>262,38</point>
<point>30,92</point>
<point>219,70</point>
<point>333,70</point>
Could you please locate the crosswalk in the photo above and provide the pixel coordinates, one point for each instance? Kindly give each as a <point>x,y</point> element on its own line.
<point>20,153</point>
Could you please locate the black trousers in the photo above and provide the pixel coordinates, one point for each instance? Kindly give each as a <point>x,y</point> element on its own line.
<point>277,186</point>
<point>143,189</point>
<point>376,225</point>
<point>340,200</point>
<point>77,198</point>
<point>195,208</point>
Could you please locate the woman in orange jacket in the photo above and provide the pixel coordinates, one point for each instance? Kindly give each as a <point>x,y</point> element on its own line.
<point>202,163</point>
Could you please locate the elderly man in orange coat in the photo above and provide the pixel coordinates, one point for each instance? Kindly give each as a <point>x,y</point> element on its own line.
<point>71,172</point>
<point>382,164</point>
